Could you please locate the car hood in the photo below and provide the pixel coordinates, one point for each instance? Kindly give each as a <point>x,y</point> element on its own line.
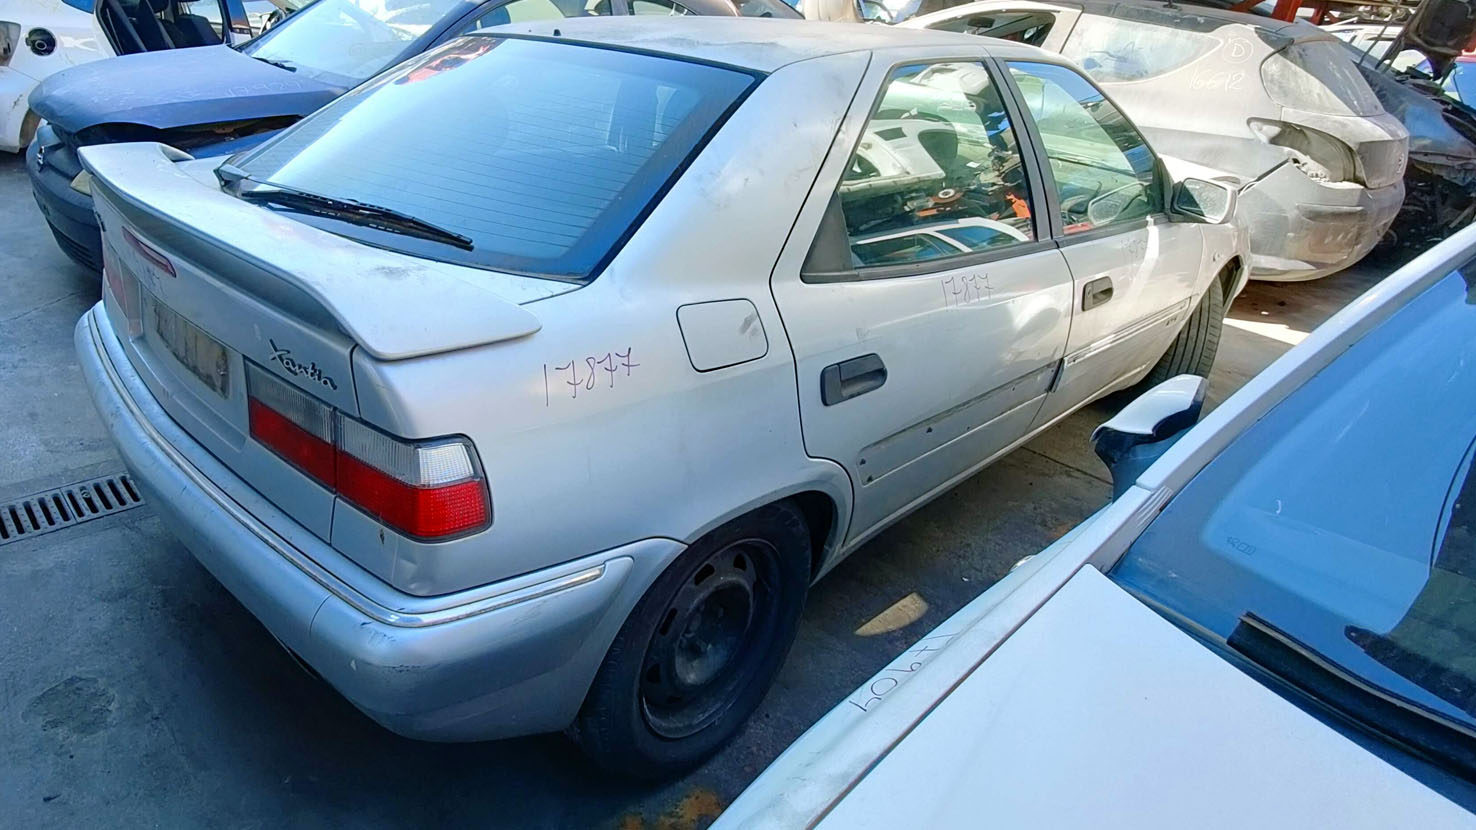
<point>1095,712</point>
<point>177,88</point>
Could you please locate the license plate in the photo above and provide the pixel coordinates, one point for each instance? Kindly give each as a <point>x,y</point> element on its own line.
<point>202,354</point>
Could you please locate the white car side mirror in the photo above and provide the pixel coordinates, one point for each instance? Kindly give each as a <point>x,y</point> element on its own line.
<point>1134,437</point>
<point>1204,200</point>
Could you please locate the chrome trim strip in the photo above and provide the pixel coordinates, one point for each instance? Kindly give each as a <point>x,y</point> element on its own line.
<point>318,573</point>
<point>1130,330</point>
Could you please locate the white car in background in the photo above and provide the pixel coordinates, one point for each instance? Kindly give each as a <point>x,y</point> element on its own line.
<point>1269,627</point>
<point>1279,106</point>
<point>37,38</point>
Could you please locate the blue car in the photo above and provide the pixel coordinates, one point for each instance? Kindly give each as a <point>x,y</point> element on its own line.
<point>218,100</point>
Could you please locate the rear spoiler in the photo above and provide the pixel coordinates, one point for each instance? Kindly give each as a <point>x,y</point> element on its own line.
<point>393,305</point>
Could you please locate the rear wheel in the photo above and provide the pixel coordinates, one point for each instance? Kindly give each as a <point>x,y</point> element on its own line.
<point>1193,351</point>
<point>699,651</point>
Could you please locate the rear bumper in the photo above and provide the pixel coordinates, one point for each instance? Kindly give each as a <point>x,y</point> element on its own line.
<point>1301,229</point>
<point>15,90</point>
<point>68,212</point>
<point>512,658</point>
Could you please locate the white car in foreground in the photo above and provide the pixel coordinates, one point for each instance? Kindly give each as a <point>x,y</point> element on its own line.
<point>1270,627</point>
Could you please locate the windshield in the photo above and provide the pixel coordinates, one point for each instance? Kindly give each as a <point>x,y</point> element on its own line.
<point>544,154</point>
<point>1345,520</point>
<point>344,42</point>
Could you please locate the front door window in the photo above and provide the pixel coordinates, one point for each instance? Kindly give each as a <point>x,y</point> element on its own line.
<point>1105,173</point>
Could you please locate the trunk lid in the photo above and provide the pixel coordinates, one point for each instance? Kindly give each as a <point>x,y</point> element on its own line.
<point>199,283</point>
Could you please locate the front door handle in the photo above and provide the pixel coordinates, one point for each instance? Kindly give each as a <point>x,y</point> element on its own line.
<point>1095,293</point>
<point>850,378</point>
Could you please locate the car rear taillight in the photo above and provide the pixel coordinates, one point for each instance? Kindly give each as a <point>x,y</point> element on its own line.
<point>291,423</point>
<point>124,288</point>
<point>148,252</point>
<point>1321,156</point>
<point>423,489</point>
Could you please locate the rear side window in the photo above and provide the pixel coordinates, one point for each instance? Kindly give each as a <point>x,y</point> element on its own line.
<point>524,11</point>
<point>658,7</point>
<point>1318,76</point>
<point>1029,27</point>
<point>1115,51</point>
<point>937,172</point>
<point>544,154</point>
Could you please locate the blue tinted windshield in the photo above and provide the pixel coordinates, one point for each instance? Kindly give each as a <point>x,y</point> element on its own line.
<point>81,5</point>
<point>1344,522</point>
<point>343,42</point>
<point>544,154</point>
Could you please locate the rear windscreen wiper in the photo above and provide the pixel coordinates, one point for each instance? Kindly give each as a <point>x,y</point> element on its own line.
<point>349,210</point>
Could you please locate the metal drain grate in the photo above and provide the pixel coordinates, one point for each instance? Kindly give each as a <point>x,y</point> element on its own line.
<point>66,506</point>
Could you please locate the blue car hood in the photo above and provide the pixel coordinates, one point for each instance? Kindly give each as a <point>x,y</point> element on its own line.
<point>176,88</point>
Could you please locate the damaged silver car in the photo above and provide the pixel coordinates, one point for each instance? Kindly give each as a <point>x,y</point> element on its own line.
<point>1280,107</point>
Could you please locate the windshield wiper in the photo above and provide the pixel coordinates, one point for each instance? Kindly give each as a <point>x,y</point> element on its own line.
<point>349,210</point>
<point>1406,722</point>
<point>290,67</point>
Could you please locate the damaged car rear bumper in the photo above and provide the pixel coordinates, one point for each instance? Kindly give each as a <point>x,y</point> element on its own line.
<point>1302,229</point>
<point>511,658</point>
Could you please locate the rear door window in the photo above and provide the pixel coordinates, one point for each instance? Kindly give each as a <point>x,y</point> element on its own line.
<point>1027,26</point>
<point>524,11</point>
<point>1104,171</point>
<point>544,154</point>
<point>939,153</point>
<point>1318,76</point>
<point>1114,50</point>
<point>658,7</point>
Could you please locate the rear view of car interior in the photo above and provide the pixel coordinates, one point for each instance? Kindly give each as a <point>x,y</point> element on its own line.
<point>155,25</point>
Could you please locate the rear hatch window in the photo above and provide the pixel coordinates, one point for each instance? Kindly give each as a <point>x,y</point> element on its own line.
<point>544,155</point>
<point>1318,76</point>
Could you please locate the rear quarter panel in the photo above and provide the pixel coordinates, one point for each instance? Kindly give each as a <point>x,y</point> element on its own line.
<point>597,430</point>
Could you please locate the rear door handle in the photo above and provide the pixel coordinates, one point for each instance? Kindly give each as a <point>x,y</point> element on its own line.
<point>1095,293</point>
<point>850,378</point>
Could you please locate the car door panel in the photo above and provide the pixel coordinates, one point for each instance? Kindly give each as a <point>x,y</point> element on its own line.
<point>1135,272</point>
<point>970,342</point>
<point>1153,270</point>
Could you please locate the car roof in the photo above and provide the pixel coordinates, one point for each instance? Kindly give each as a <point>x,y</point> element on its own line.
<point>760,44</point>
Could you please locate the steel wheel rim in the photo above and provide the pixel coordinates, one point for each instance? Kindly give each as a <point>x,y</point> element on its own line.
<point>712,635</point>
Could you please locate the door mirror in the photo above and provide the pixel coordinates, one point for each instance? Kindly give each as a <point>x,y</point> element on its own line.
<point>1203,200</point>
<point>1135,437</point>
<point>874,12</point>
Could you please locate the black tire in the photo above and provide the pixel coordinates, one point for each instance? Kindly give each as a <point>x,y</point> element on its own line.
<point>1193,351</point>
<point>684,673</point>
